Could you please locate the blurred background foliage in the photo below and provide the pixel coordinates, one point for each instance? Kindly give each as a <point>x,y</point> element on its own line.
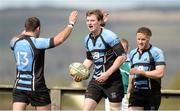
<point>164,24</point>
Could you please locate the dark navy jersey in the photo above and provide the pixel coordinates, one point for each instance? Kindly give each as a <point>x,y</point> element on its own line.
<point>103,50</point>
<point>29,57</point>
<point>147,61</point>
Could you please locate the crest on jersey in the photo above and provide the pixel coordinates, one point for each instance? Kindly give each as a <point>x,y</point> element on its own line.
<point>95,55</point>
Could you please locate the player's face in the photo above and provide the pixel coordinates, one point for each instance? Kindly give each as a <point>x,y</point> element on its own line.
<point>93,24</point>
<point>142,41</point>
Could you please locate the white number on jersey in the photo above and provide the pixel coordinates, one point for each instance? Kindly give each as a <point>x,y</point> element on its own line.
<point>22,58</point>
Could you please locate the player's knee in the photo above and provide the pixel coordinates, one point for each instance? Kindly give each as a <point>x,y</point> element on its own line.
<point>114,108</point>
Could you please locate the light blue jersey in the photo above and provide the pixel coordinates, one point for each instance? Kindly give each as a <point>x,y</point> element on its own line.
<point>147,61</point>
<point>29,56</point>
<point>103,50</point>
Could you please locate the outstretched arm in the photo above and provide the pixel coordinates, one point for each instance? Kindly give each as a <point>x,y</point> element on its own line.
<point>105,18</point>
<point>63,35</point>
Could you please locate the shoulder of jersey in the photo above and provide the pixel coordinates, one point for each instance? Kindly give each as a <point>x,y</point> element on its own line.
<point>156,49</point>
<point>108,35</point>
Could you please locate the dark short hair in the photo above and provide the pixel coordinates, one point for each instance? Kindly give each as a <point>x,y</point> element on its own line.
<point>145,31</point>
<point>96,12</point>
<point>32,23</point>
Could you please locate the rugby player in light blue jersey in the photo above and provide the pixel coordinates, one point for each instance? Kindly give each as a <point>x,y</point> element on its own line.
<point>147,67</point>
<point>104,51</point>
<point>29,52</point>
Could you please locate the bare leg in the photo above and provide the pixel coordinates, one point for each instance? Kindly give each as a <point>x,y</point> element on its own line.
<point>19,106</point>
<point>115,106</point>
<point>89,104</point>
<point>133,108</point>
<point>47,107</point>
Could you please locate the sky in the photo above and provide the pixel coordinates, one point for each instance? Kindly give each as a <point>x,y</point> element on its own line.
<point>107,4</point>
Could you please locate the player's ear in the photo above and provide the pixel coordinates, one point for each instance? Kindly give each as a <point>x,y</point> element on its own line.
<point>37,31</point>
<point>38,28</point>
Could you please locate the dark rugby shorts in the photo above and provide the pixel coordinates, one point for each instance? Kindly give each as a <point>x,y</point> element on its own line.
<point>36,98</point>
<point>145,98</point>
<point>113,91</point>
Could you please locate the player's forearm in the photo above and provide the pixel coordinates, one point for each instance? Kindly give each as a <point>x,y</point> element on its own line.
<point>62,36</point>
<point>119,60</point>
<point>155,74</point>
<point>130,83</point>
<point>87,63</point>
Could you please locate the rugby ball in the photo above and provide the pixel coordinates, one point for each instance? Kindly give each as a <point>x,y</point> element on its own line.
<point>79,70</point>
